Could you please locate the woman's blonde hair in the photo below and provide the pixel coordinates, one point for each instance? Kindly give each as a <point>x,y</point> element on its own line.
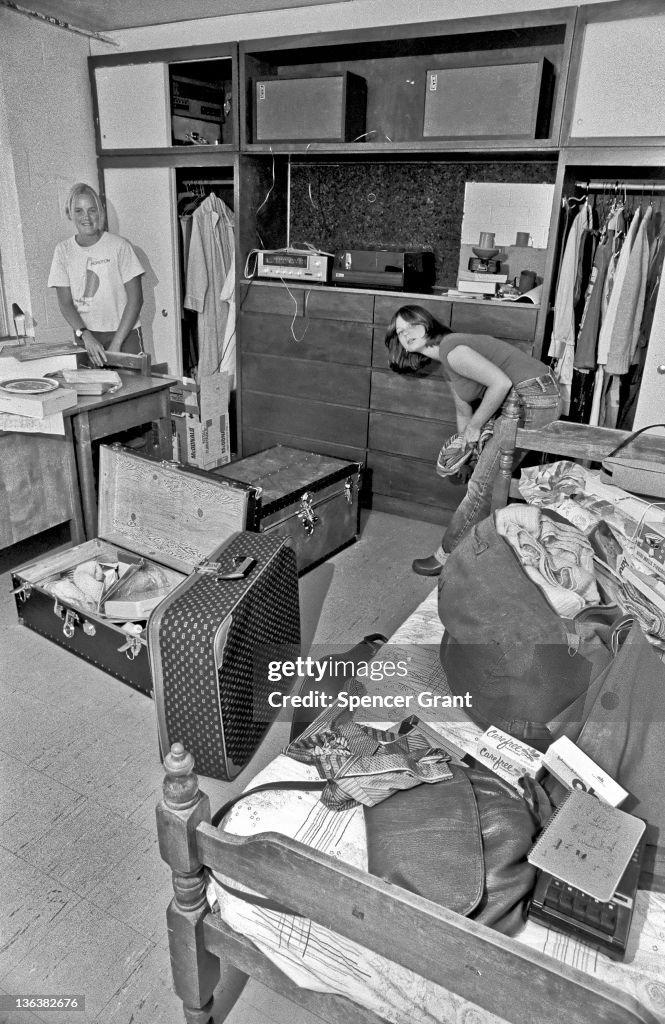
<point>79,189</point>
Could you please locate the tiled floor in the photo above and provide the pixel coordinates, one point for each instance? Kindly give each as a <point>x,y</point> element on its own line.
<point>83,891</point>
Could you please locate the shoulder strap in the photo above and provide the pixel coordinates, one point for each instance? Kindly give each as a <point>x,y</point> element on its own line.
<point>313,785</point>
<point>631,437</point>
<point>316,785</point>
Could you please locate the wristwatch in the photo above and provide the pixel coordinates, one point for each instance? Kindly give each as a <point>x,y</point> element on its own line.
<point>79,331</point>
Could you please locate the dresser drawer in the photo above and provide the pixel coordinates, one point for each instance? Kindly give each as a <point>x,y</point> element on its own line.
<point>338,304</point>
<point>410,480</point>
<point>305,419</point>
<point>322,340</point>
<point>427,397</point>
<point>261,297</point>
<point>408,435</point>
<point>385,307</point>
<point>512,324</point>
<point>300,378</point>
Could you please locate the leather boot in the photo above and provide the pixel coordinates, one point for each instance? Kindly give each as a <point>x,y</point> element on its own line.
<point>427,566</point>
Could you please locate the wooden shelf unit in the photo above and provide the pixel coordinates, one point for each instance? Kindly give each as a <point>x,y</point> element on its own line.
<point>394,61</point>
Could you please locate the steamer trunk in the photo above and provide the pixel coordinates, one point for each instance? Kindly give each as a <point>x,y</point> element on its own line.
<point>311,500</point>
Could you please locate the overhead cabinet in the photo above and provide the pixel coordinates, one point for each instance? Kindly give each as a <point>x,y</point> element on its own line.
<point>165,99</point>
<point>616,89</point>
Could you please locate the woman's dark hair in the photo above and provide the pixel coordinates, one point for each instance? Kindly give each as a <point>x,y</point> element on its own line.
<point>400,360</point>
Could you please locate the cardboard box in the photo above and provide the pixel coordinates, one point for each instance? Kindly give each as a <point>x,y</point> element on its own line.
<point>526,759</point>
<point>206,399</point>
<point>205,445</point>
<point>200,418</point>
<point>576,771</point>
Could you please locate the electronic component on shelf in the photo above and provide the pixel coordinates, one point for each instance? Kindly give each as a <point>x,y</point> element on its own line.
<point>394,269</point>
<point>289,264</point>
<point>604,926</point>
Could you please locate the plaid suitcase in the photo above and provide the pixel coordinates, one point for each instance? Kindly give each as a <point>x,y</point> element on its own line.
<point>210,643</point>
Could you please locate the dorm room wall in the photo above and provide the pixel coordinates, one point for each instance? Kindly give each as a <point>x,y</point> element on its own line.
<point>46,144</point>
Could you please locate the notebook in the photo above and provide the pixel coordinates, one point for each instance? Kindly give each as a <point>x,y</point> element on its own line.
<point>588,845</point>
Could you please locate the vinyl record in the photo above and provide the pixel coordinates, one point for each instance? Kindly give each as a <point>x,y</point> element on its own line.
<point>28,385</point>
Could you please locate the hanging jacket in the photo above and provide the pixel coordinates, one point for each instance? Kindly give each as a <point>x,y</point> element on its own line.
<point>562,345</point>
<point>630,302</point>
<point>610,319</point>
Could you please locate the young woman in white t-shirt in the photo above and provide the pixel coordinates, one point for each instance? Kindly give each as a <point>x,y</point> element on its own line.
<point>97,277</point>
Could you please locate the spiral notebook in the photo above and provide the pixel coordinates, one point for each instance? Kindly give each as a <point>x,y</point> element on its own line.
<point>588,845</point>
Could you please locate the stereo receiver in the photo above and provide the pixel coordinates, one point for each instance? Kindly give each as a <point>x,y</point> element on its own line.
<point>294,265</point>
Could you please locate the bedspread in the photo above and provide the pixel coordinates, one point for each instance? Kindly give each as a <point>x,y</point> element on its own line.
<point>318,959</point>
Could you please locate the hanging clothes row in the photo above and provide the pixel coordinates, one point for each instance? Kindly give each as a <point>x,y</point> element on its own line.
<point>208,234</point>
<point>606,291</point>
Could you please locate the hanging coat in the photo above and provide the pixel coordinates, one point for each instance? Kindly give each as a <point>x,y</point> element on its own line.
<point>210,260</point>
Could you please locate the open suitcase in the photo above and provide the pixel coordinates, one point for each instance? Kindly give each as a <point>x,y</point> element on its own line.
<point>172,516</point>
<point>313,500</point>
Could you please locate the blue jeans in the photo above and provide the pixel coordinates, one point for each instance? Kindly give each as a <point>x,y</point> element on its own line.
<point>541,404</point>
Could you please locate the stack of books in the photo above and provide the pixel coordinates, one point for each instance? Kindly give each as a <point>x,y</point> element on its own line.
<point>479,283</point>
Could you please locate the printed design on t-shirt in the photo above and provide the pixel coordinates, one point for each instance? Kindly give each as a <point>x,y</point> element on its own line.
<point>90,283</point>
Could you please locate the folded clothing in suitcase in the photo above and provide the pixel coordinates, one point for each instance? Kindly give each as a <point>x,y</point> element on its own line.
<point>167,517</point>
<point>211,642</point>
<point>311,499</point>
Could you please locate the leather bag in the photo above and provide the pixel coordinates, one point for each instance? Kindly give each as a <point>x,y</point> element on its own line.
<point>639,475</point>
<point>461,843</point>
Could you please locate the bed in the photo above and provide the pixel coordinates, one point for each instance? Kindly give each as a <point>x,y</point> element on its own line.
<point>451,969</point>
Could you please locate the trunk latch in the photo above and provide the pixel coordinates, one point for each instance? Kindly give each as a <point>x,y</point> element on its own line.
<point>348,490</point>
<point>306,513</point>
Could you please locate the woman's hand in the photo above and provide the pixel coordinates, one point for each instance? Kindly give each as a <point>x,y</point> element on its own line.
<point>94,348</point>
<point>471,433</point>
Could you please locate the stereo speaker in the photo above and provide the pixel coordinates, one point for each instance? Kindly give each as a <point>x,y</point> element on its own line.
<point>492,100</point>
<point>325,108</point>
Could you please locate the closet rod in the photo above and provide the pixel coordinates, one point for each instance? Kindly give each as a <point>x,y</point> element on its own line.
<point>628,186</point>
<point>208,181</point>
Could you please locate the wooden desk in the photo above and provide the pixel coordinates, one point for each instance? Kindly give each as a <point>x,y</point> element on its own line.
<point>95,417</point>
<point>38,486</point>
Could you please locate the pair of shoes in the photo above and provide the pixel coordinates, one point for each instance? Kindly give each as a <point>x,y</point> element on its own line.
<point>454,453</point>
<point>427,566</point>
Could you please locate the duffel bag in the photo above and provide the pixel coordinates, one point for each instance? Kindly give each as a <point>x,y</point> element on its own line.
<point>506,645</point>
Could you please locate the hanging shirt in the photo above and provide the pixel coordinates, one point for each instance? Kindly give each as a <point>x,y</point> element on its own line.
<point>563,329</point>
<point>609,321</point>
<point>587,337</point>
<point>562,345</point>
<point>630,301</point>
<point>210,260</point>
<point>656,255</point>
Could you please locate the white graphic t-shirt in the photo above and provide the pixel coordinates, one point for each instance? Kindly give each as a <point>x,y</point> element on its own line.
<point>96,275</point>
